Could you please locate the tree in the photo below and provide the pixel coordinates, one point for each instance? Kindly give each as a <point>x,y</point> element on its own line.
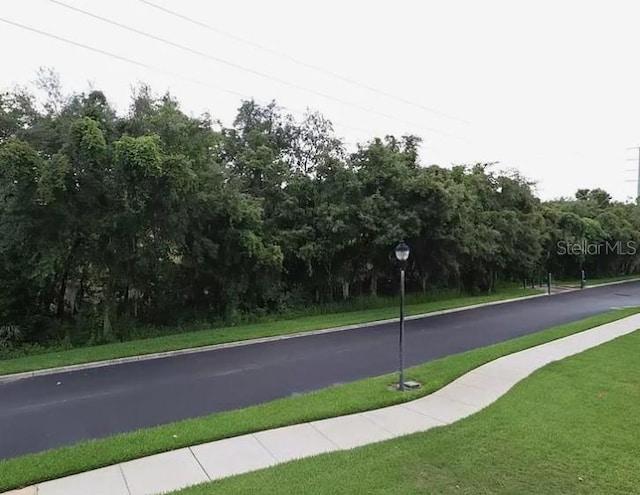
<point>109,221</point>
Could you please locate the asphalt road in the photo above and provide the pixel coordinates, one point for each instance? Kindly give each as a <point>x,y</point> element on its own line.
<point>55,410</point>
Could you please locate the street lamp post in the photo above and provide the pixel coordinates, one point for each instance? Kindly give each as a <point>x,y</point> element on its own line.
<point>402,254</point>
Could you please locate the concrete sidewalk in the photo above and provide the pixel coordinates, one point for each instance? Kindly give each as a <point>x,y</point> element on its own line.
<point>466,395</point>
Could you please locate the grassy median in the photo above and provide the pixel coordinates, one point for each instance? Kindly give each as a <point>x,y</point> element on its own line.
<point>573,427</point>
<point>237,333</point>
<point>353,397</point>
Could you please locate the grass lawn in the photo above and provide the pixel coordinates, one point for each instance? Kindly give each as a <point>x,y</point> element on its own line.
<point>605,280</point>
<point>573,427</point>
<point>237,333</point>
<point>595,281</point>
<point>348,398</point>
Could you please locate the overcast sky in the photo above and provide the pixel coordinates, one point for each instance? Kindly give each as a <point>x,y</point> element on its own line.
<point>551,88</point>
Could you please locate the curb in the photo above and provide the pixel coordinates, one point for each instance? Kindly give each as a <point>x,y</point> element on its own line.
<point>617,282</point>
<point>240,343</point>
<point>193,350</point>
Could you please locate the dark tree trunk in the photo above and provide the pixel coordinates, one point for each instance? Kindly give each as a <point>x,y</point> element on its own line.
<point>126,300</point>
<point>373,287</point>
<point>61,293</point>
<point>108,313</point>
<point>345,290</point>
<point>65,276</point>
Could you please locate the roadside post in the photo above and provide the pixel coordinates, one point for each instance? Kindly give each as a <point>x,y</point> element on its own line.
<point>402,254</point>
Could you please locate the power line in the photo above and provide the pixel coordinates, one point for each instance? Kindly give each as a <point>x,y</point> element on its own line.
<point>248,69</point>
<point>120,57</point>
<point>299,62</point>
<point>164,71</point>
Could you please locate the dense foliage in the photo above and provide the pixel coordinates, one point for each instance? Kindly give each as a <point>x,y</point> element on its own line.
<point>155,216</point>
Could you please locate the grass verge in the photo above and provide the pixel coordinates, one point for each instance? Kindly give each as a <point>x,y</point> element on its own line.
<point>353,397</point>
<point>605,280</point>
<point>596,281</point>
<point>572,427</point>
<point>238,333</point>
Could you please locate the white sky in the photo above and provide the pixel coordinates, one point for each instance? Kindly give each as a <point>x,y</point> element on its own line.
<point>551,88</point>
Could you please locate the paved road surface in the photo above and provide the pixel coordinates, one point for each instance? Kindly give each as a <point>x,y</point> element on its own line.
<point>50,411</point>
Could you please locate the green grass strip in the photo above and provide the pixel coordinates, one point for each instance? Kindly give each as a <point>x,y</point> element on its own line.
<point>224,335</point>
<point>596,281</point>
<point>570,428</point>
<point>343,399</point>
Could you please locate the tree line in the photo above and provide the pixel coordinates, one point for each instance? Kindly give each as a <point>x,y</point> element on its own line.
<point>157,216</point>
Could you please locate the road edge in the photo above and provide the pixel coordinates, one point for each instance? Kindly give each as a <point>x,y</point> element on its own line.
<point>261,340</point>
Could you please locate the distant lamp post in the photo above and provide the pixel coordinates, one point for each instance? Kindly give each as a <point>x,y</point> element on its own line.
<point>402,254</point>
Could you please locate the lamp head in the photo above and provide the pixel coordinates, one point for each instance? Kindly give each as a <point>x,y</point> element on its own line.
<point>402,251</point>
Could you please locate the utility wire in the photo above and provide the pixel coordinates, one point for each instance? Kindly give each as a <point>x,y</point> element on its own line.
<point>299,62</point>
<point>248,69</point>
<point>121,58</point>
<point>165,71</point>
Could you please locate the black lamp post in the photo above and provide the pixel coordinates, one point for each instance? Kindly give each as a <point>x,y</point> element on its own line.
<point>402,254</point>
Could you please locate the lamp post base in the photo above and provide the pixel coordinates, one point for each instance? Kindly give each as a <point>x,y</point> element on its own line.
<point>408,385</point>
